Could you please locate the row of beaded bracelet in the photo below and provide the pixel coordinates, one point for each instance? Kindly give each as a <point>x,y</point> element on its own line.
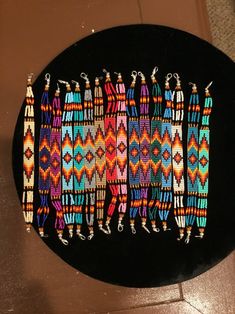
<point>93,142</point>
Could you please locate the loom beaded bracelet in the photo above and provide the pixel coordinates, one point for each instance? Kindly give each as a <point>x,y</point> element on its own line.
<point>55,166</point>
<point>177,155</point>
<point>78,159</point>
<point>44,158</point>
<point>89,157</point>
<point>121,149</point>
<point>110,123</point>
<point>100,154</point>
<point>28,155</point>
<point>192,160</point>
<point>166,157</point>
<point>133,152</point>
<point>155,151</point>
<point>203,164</point>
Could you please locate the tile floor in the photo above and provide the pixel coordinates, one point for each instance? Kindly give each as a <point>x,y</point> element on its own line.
<point>32,278</point>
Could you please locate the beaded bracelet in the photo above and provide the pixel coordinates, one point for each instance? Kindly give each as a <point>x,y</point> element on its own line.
<point>203,164</point>
<point>78,159</point>
<point>55,166</point>
<point>133,152</point>
<point>144,123</point>
<point>155,151</point>
<point>99,154</point>
<point>177,155</point>
<point>166,157</point>
<point>111,145</point>
<point>67,159</point>
<point>28,155</point>
<point>192,160</point>
<point>121,149</point>
<point>44,158</point>
<point>89,156</point>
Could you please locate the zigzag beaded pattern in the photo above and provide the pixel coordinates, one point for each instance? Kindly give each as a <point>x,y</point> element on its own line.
<point>144,123</point>
<point>99,152</point>
<point>110,133</point>
<point>166,158</point>
<point>121,148</point>
<point>177,153</point>
<point>111,143</point>
<point>134,152</point>
<point>78,153</point>
<point>44,158</point>
<point>166,155</point>
<point>177,156</point>
<point>55,149</point>
<point>28,155</point>
<point>192,158</point>
<point>121,133</point>
<point>134,142</point>
<point>67,143</point>
<point>78,139</point>
<point>55,167</point>
<point>203,168</point>
<point>155,150</point>
<point>121,144</point>
<point>144,136</point>
<point>67,158</point>
<point>204,142</point>
<point>78,136</point>
<point>55,164</point>
<point>89,156</point>
<point>203,164</point>
<point>177,146</point>
<point>99,139</point>
<point>110,149</point>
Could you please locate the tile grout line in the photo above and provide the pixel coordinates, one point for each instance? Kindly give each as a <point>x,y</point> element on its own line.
<point>140,11</point>
<point>146,305</point>
<point>181,291</point>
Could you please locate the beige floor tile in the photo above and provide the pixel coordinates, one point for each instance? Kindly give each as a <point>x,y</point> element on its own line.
<point>214,291</point>
<point>33,33</point>
<point>189,16</point>
<point>37,275</point>
<point>35,278</point>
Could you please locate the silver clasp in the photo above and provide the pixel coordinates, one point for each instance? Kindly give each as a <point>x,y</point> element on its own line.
<point>208,86</point>
<point>47,78</point>
<point>84,76</point>
<point>155,69</point>
<point>141,75</point>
